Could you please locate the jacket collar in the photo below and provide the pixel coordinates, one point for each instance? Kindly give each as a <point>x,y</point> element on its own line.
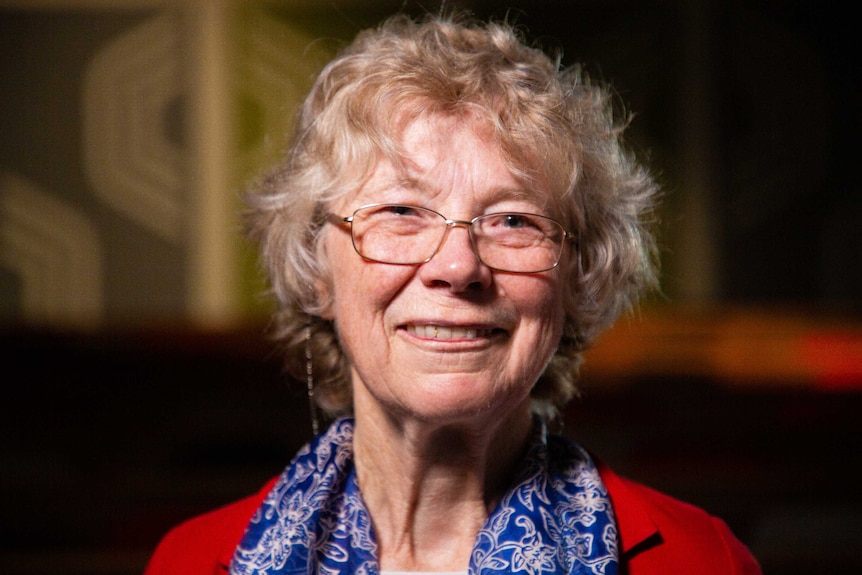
<point>249,506</point>
<point>635,527</point>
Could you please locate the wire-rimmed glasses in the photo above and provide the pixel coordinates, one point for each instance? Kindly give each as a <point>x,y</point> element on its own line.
<point>410,235</point>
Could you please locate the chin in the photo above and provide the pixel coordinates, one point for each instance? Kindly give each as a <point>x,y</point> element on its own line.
<point>470,410</point>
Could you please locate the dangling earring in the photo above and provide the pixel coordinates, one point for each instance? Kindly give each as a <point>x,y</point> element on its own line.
<point>309,380</point>
<point>580,260</point>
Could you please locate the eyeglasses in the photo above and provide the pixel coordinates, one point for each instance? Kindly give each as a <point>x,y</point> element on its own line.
<point>410,235</point>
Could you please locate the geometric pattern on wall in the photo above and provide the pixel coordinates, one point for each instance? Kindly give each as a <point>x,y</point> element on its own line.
<point>276,64</point>
<point>131,96</point>
<point>54,251</point>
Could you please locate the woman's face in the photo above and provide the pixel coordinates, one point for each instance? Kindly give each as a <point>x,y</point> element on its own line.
<point>448,340</point>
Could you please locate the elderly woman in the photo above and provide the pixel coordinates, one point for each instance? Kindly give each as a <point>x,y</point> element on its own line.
<point>455,222</point>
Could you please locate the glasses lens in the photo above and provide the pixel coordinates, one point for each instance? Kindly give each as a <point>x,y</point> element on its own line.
<point>512,242</point>
<point>397,234</point>
<point>518,242</point>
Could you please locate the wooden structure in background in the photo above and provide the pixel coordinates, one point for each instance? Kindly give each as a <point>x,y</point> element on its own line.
<point>738,347</point>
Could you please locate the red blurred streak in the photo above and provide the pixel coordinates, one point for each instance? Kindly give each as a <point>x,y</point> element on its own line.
<point>833,359</point>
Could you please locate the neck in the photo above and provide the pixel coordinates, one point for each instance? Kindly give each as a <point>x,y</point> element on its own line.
<point>430,487</point>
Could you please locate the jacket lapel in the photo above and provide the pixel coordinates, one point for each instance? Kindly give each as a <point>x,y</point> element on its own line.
<point>637,531</point>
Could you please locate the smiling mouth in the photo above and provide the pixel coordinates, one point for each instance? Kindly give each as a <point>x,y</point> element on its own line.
<point>448,332</point>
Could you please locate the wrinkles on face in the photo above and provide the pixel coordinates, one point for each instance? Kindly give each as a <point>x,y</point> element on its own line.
<point>500,328</point>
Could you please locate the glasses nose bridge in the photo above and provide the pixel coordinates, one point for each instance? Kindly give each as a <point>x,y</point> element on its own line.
<point>459,224</point>
<point>468,226</point>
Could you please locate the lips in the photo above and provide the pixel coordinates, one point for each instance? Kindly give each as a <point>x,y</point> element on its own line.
<point>447,332</point>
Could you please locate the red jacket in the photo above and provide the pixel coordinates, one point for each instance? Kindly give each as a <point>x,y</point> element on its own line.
<point>658,535</point>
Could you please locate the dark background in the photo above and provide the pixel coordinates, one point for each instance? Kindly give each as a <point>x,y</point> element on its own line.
<point>110,439</point>
<point>110,436</point>
<point>766,90</point>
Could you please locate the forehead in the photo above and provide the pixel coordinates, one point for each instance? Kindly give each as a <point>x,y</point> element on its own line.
<point>441,154</point>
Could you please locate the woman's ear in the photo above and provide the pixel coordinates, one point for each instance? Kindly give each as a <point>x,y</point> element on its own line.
<point>321,281</point>
<point>323,295</point>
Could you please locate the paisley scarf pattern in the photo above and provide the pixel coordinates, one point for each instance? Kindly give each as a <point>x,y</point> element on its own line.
<point>556,518</point>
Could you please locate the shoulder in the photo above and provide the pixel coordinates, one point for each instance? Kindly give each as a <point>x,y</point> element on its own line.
<point>659,533</point>
<point>204,544</point>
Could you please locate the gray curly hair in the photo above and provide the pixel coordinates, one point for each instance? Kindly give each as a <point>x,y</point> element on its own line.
<point>551,124</point>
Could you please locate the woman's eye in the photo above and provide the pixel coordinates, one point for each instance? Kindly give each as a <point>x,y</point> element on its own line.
<point>399,210</point>
<point>387,212</point>
<point>517,221</point>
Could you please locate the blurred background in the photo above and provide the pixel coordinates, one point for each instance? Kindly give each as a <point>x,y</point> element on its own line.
<point>138,386</point>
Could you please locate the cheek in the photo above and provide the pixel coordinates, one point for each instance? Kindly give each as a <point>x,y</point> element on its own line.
<point>344,273</point>
<point>539,297</point>
<point>541,307</point>
<point>362,291</point>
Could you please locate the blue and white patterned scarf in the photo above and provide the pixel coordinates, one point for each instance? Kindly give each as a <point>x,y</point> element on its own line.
<point>556,518</point>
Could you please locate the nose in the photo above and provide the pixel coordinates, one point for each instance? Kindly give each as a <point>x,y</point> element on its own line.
<point>455,263</point>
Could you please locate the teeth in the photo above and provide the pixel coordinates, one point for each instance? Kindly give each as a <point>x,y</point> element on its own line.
<point>446,332</point>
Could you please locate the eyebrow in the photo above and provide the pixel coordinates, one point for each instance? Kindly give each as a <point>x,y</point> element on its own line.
<point>417,185</point>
